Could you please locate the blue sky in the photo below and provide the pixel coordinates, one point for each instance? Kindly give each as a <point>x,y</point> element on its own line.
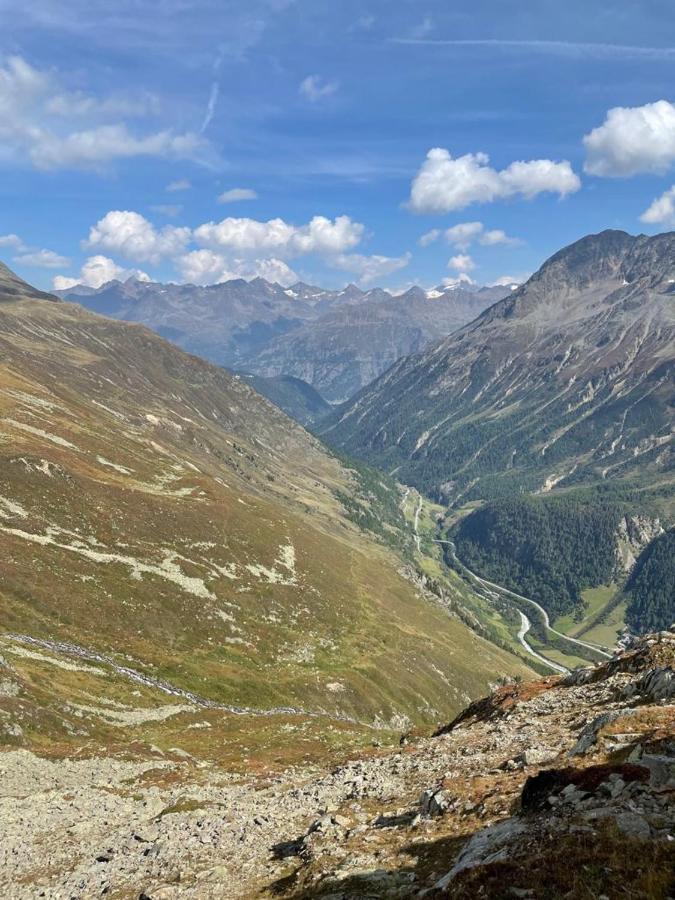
<point>323,140</point>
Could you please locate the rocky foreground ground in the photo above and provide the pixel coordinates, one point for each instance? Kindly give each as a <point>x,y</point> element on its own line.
<point>563,787</point>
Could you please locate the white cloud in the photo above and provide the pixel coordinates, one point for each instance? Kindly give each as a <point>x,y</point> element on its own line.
<point>320,235</point>
<point>315,88</point>
<point>36,116</point>
<point>632,140</point>
<point>237,247</point>
<point>497,236</point>
<point>209,267</point>
<point>182,184</point>
<point>97,271</point>
<point>236,194</point>
<point>430,237</point>
<point>13,241</point>
<point>369,268</point>
<point>462,263</point>
<point>97,146</point>
<point>464,234</point>
<point>132,236</point>
<point>444,183</point>
<point>42,259</point>
<point>462,279</point>
<point>662,210</point>
<point>506,280</point>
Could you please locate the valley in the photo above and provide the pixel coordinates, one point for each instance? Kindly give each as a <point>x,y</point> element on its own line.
<point>337,450</point>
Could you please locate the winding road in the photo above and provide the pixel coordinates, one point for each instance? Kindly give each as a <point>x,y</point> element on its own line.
<point>525,626</point>
<point>547,622</point>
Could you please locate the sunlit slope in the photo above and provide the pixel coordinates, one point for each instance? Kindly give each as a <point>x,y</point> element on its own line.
<point>156,509</point>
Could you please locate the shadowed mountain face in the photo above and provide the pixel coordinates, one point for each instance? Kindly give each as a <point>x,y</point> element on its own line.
<point>155,509</point>
<point>14,288</point>
<point>298,399</point>
<point>568,380</point>
<point>336,341</point>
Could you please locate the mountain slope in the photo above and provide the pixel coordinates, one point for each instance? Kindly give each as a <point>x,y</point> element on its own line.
<point>351,344</point>
<point>294,396</point>
<point>14,288</point>
<point>553,788</point>
<point>156,511</point>
<point>568,380</point>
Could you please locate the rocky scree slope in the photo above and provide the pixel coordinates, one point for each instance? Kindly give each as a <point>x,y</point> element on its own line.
<point>337,341</point>
<point>562,787</point>
<point>568,380</point>
<point>157,512</point>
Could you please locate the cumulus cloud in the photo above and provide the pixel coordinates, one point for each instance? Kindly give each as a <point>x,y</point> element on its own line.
<point>370,268</point>
<point>12,240</point>
<point>209,267</point>
<point>97,271</point>
<point>497,236</point>
<point>320,235</point>
<point>632,140</point>
<point>461,263</point>
<point>315,88</point>
<point>233,248</point>
<point>42,259</point>
<point>662,210</point>
<point>464,234</point>
<point>507,280</point>
<point>430,237</point>
<point>132,236</point>
<point>37,119</point>
<point>461,279</point>
<point>445,183</point>
<point>236,194</point>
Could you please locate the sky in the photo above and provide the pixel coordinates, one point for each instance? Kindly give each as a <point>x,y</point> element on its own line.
<point>384,142</point>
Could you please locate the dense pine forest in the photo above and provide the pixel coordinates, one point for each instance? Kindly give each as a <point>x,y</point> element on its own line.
<point>651,587</point>
<point>550,549</point>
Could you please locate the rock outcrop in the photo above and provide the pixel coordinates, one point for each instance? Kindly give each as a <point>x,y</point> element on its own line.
<point>557,788</point>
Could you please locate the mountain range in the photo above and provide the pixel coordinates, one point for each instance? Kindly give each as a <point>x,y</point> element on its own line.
<point>336,341</point>
<point>567,381</point>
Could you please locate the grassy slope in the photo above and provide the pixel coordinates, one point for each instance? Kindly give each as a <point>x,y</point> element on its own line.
<point>160,511</point>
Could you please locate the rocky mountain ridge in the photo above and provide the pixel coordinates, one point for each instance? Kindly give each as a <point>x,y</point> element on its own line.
<point>336,341</point>
<point>568,380</point>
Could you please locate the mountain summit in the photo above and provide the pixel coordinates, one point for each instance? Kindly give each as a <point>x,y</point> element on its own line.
<point>567,380</point>
<point>336,341</point>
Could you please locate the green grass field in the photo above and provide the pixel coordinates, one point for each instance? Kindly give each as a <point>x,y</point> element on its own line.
<point>603,620</point>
